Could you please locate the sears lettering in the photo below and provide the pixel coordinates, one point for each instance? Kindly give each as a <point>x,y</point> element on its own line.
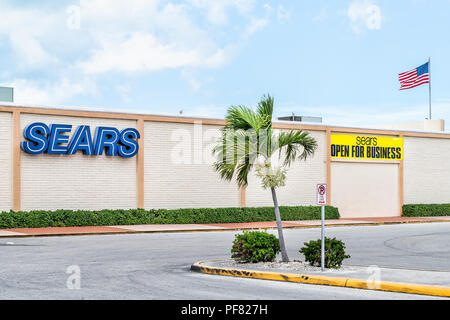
<point>40,138</point>
<point>366,141</point>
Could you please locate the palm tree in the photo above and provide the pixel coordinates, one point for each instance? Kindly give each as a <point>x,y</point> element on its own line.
<point>248,141</point>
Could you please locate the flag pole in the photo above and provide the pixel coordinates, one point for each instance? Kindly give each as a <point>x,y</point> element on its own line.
<point>429,84</point>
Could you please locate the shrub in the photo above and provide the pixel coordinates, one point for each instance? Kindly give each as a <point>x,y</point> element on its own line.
<point>255,246</point>
<point>334,252</point>
<point>74,218</point>
<point>426,210</point>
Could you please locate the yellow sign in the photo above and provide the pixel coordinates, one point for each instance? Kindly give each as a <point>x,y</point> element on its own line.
<point>346,146</point>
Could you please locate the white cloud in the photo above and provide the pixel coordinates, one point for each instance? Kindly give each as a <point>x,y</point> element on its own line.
<point>29,51</point>
<point>33,92</point>
<point>134,36</point>
<point>364,14</point>
<point>140,52</point>
<point>195,83</point>
<point>282,13</point>
<point>217,10</point>
<point>322,15</point>
<point>25,29</point>
<point>268,7</point>
<point>124,92</point>
<point>254,26</point>
<point>162,37</point>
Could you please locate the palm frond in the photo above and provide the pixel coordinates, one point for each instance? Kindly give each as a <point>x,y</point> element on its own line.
<point>236,153</point>
<point>265,110</point>
<point>242,118</point>
<point>248,135</point>
<point>243,170</point>
<point>295,144</point>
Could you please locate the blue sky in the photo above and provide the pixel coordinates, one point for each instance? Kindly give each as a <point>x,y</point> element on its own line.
<point>336,59</point>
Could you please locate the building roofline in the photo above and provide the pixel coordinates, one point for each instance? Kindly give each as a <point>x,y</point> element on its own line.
<point>131,115</point>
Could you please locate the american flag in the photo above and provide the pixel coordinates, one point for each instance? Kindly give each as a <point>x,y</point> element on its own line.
<point>415,77</point>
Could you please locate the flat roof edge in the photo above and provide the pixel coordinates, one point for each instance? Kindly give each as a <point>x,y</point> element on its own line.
<point>101,110</point>
<point>136,115</point>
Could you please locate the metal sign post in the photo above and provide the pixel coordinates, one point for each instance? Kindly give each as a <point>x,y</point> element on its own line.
<point>322,201</point>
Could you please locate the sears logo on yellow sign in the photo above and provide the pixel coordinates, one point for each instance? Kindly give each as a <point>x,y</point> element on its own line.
<point>345,146</point>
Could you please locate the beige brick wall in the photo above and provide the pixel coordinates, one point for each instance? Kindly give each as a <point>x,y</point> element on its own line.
<point>77,181</point>
<point>5,161</point>
<point>302,178</point>
<point>178,168</point>
<point>426,170</point>
<point>364,189</point>
<point>178,171</point>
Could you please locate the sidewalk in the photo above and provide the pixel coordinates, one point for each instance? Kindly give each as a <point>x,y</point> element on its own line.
<point>154,228</point>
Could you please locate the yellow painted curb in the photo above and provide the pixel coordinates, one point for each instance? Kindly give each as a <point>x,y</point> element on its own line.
<point>400,287</point>
<point>324,280</point>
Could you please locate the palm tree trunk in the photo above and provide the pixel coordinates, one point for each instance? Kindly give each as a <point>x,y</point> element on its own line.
<point>284,255</point>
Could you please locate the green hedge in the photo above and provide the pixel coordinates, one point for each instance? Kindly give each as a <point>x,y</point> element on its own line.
<point>70,218</point>
<point>426,210</point>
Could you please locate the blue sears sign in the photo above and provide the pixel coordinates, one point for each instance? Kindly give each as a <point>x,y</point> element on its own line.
<point>41,138</point>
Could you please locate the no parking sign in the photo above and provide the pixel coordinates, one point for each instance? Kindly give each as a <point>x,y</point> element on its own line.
<point>321,194</point>
<point>322,201</point>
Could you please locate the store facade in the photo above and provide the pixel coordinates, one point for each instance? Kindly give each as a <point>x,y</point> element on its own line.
<point>74,159</point>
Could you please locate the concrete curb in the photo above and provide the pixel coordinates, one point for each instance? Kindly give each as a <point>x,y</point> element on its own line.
<point>411,288</point>
<point>210,230</point>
